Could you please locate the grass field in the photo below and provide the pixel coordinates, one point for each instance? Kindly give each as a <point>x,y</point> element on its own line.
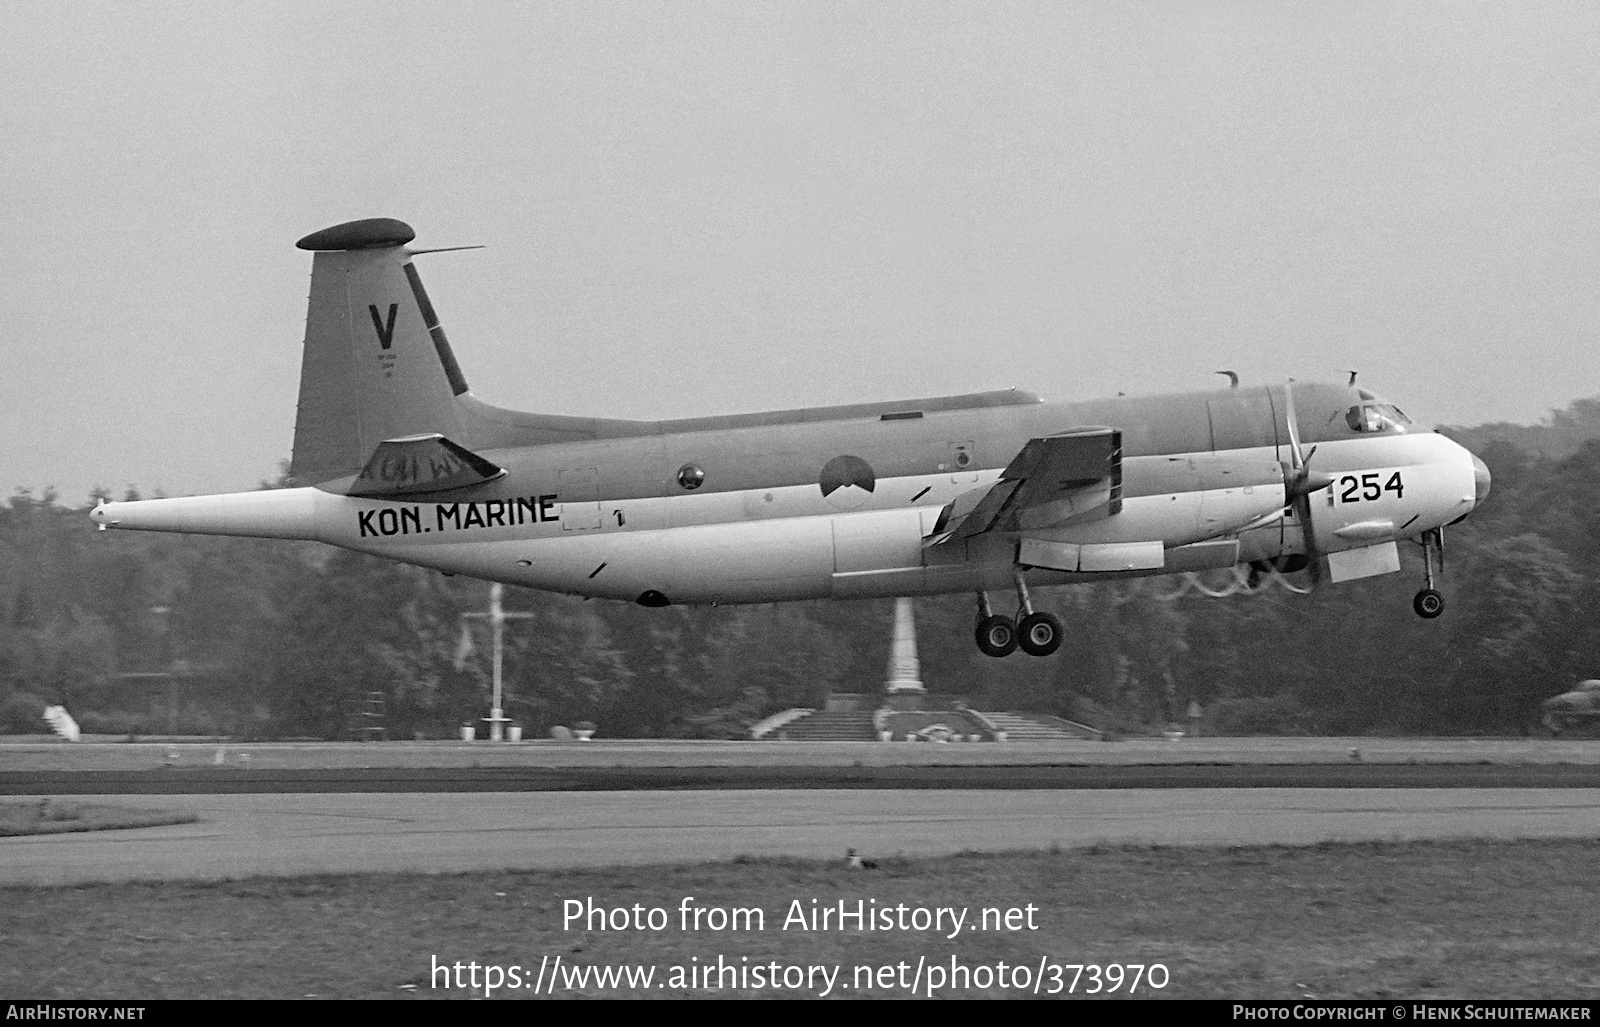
<point>1449,919</point>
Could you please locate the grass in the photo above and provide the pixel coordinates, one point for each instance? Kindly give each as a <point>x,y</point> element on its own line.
<point>1473,919</point>
<point>49,816</point>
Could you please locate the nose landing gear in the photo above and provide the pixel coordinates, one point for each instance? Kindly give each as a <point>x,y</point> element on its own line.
<point>1429,603</point>
<point>1036,633</point>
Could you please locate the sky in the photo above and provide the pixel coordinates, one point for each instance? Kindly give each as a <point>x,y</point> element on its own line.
<point>703,208</point>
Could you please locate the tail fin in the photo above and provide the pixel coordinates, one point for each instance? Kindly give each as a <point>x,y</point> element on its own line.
<point>376,365</point>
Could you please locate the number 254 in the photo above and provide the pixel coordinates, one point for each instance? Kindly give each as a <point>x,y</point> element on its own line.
<point>1366,487</point>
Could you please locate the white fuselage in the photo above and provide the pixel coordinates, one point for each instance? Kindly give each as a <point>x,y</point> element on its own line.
<point>792,542</point>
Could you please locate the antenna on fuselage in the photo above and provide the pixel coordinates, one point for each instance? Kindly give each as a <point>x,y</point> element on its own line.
<point>1352,375</point>
<point>1233,378</point>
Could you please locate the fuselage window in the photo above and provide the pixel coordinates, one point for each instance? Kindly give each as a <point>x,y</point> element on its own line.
<point>1376,417</point>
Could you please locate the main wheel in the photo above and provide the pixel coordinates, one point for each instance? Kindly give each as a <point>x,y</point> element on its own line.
<point>1428,604</point>
<point>1039,634</point>
<point>997,636</point>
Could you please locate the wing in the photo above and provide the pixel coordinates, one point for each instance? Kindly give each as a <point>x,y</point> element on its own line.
<point>420,464</point>
<point>1071,476</point>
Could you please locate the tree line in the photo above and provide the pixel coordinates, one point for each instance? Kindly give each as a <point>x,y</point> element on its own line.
<point>141,633</point>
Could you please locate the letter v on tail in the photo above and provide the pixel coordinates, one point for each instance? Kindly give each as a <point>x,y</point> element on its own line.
<point>385,330</point>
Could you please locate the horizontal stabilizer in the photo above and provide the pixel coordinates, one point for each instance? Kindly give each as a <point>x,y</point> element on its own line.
<point>421,463</point>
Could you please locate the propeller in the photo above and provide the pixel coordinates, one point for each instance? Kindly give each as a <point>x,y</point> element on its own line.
<point>1300,482</point>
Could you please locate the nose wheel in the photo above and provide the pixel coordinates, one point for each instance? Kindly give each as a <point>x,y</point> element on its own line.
<point>1429,603</point>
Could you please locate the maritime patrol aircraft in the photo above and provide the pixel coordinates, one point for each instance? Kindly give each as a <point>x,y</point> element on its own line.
<point>987,492</point>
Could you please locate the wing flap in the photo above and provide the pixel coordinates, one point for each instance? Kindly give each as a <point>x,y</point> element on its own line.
<point>1073,475</point>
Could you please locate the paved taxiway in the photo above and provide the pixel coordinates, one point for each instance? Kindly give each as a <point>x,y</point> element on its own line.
<point>36,753</point>
<point>342,827</point>
<point>286,834</point>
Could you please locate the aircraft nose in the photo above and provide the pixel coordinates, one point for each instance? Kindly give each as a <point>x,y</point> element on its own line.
<point>1480,477</point>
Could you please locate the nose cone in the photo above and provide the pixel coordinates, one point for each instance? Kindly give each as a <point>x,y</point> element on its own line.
<point>1480,476</point>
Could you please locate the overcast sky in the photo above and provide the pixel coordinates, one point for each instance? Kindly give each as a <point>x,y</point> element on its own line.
<point>708,208</point>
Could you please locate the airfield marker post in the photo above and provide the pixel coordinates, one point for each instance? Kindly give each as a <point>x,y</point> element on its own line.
<point>497,617</point>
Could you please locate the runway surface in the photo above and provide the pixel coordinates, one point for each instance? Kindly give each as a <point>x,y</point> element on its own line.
<point>38,754</point>
<point>233,781</point>
<point>305,808</point>
<point>292,834</point>
<point>41,767</point>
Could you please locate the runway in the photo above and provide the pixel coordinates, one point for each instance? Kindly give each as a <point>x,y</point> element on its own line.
<point>36,754</point>
<point>308,808</point>
<point>235,781</point>
<point>293,834</point>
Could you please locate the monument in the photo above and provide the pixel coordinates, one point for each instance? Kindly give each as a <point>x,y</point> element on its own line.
<point>904,669</point>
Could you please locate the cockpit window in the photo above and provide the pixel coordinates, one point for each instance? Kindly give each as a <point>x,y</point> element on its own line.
<point>1376,417</point>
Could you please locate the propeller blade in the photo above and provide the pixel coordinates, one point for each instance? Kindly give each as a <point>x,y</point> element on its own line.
<point>1301,483</point>
<point>1294,425</point>
<point>1302,507</point>
<point>1313,556</point>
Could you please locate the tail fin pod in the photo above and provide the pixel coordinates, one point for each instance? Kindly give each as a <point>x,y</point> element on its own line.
<point>376,364</point>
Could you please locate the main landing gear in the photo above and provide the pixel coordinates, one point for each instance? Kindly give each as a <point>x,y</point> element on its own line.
<point>1429,603</point>
<point>1037,634</point>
